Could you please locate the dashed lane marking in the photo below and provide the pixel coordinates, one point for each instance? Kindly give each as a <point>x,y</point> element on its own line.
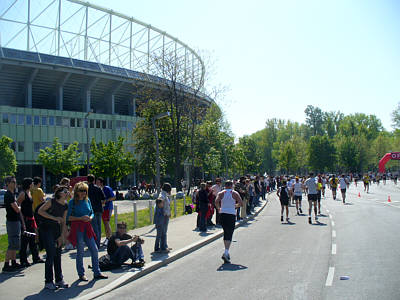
<point>334,249</point>
<point>333,233</point>
<point>333,223</point>
<point>329,278</point>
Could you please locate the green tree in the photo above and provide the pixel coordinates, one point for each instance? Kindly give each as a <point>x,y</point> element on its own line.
<point>396,117</point>
<point>8,162</point>
<point>111,159</point>
<point>58,161</point>
<point>321,153</point>
<point>252,154</point>
<point>314,119</point>
<point>287,157</point>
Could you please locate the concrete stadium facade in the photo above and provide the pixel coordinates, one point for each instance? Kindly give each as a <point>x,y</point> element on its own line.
<point>48,91</point>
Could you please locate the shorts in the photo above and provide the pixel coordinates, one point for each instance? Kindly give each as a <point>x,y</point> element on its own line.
<point>14,234</point>
<point>297,197</point>
<point>343,191</point>
<point>228,225</point>
<point>284,201</point>
<point>106,216</point>
<point>312,197</point>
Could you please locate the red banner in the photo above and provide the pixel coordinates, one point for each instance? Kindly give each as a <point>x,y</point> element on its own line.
<point>386,158</point>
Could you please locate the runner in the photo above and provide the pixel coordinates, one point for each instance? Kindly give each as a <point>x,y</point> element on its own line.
<point>284,195</point>
<point>333,183</point>
<point>343,185</point>
<point>298,191</point>
<point>366,183</point>
<point>312,197</point>
<point>319,191</point>
<point>323,185</point>
<point>226,202</point>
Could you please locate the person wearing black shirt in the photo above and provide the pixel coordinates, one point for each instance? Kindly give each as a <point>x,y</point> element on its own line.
<point>13,226</point>
<point>119,250</point>
<point>203,204</point>
<point>97,199</point>
<point>29,225</point>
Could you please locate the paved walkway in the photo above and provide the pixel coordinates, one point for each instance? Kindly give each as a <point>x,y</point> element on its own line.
<point>182,238</point>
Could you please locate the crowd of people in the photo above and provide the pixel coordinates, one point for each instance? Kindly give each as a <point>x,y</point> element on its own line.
<point>73,216</point>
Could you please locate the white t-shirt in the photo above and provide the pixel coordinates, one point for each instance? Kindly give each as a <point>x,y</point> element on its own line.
<point>228,203</point>
<point>311,184</point>
<point>342,183</point>
<point>298,189</point>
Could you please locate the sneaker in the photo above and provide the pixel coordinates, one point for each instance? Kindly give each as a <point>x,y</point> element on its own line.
<point>300,210</point>
<point>100,276</point>
<point>83,278</point>
<point>38,261</point>
<point>316,218</point>
<point>287,220</point>
<point>61,284</point>
<point>226,259</point>
<point>25,264</point>
<point>9,269</point>
<point>50,286</point>
<point>17,266</point>
<point>281,218</point>
<point>309,220</point>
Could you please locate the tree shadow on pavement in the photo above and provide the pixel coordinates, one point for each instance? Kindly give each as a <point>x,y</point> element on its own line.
<point>73,291</point>
<point>231,267</point>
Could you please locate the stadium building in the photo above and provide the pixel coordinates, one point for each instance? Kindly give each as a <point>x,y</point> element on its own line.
<point>70,69</point>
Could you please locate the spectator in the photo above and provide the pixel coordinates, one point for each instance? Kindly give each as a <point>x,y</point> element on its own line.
<point>37,193</point>
<point>97,200</point>
<point>80,213</point>
<point>119,250</point>
<point>108,207</point>
<point>53,232</point>
<point>165,195</point>
<point>216,188</point>
<point>159,222</point>
<point>13,226</point>
<point>28,224</point>
<point>203,203</point>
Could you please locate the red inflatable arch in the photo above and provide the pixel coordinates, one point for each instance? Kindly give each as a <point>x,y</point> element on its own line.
<point>386,158</point>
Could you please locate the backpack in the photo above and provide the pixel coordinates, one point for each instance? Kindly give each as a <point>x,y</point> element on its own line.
<point>105,263</point>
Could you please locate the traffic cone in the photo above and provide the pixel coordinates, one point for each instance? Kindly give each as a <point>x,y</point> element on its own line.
<point>359,195</point>
<point>389,200</point>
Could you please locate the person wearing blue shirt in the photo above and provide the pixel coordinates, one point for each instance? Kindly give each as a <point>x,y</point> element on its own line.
<point>108,207</point>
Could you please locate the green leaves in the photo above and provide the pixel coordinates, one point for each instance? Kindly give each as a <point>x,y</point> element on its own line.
<point>111,159</point>
<point>58,161</point>
<point>8,161</point>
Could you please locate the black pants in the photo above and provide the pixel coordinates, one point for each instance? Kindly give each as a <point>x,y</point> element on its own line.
<point>228,225</point>
<point>53,255</point>
<point>25,241</point>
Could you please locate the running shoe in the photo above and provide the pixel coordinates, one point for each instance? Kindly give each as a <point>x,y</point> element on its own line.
<point>287,220</point>
<point>9,269</point>
<point>300,210</point>
<point>50,286</point>
<point>226,258</point>
<point>281,218</point>
<point>61,284</point>
<point>309,220</point>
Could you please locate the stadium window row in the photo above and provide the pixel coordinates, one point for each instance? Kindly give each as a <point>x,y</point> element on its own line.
<point>20,119</point>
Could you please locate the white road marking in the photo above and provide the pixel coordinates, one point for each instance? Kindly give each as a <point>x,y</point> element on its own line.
<point>333,223</point>
<point>333,233</point>
<point>329,278</point>
<point>330,217</point>
<point>333,249</point>
<point>327,210</point>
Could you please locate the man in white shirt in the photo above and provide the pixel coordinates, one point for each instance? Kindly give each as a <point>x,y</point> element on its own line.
<point>298,191</point>
<point>311,186</point>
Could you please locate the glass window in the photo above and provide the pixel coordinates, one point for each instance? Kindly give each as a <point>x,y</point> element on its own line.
<point>130,126</point>
<point>104,124</point>
<point>97,123</point>
<point>5,118</point>
<point>110,124</point>
<point>44,145</point>
<point>28,120</point>
<point>51,121</point>
<point>65,122</point>
<point>118,124</point>
<point>123,124</point>
<point>58,121</point>
<point>78,122</point>
<point>13,119</point>
<point>36,120</point>
<point>86,123</point>
<point>44,121</point>
<point>21,146</point>
<point>91,123</point>
<point>72,123</point>
<point>12,146</point>
<point>21,119</point>
<point>36,147</point>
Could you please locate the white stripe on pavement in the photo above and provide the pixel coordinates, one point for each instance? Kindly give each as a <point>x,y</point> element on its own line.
<point>333,249</point>
<point>329,278</point>
<point>330,216</point>
<point>333,223</point>
<point>333,233</point>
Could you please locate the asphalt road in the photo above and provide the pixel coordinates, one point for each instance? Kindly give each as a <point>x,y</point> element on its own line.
<point>271,260</point>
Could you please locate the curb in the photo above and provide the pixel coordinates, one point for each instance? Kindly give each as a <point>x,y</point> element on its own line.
<point>154,265</point>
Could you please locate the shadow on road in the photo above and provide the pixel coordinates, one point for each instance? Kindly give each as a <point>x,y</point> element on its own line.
<point>231,267</point>
<point>288,223</point>
<point>348,203</point>
<point>318,223</point>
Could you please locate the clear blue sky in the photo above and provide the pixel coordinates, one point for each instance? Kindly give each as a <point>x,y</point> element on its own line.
<point>277,57</point>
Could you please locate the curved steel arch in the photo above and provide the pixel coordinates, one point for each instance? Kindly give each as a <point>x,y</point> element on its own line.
<point>81,30</point>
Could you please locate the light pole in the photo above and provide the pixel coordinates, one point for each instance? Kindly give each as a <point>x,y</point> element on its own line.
<point>153,121</point>
<point>87,142</point>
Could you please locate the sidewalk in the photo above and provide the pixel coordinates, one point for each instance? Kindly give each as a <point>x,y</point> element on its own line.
<point>182,238</point>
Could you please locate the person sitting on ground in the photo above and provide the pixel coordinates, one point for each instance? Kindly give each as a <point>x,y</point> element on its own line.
<point>119,250</point>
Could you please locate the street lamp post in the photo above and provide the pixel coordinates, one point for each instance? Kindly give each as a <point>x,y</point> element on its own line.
<point>87,142</point>
<point>153,121</point>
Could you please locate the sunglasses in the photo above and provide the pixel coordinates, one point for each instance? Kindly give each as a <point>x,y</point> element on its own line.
<point>82,191</point>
